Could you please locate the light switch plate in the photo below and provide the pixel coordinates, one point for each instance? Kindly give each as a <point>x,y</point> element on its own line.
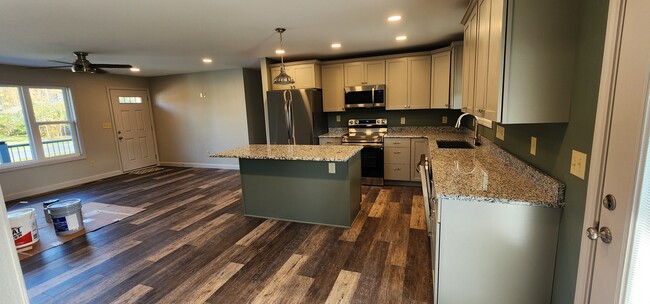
<point>578,163</point>
<point>106,125</point>
<point>533,145</point>
<point>331,168</point>
<point>501,133</point>
<point>402,120</point>
<point>338,118</point>
<point>444,119</point>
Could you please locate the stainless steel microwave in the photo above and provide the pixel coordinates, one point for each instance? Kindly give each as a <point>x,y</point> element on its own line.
<point>365,96</point>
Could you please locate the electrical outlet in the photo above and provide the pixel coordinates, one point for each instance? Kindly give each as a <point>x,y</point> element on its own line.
<point>578,163</point>
<point>402,120</point>
<point>92,163</point>
<point>338,118</point>
<point>106,125</point>
<point>444,119</point>
<point>501,133</point>
<point>331,168</point>
<point>533,145</point>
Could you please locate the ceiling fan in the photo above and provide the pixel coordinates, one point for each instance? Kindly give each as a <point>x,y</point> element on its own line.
<point>82,65</point>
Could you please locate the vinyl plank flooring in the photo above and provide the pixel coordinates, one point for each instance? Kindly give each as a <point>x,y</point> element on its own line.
<point>192,244</point>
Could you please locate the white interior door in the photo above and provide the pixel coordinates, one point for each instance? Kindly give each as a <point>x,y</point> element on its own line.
<point>133,128</point>
<point>621,269</point>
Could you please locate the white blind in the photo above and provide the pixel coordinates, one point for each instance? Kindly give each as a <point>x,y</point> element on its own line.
<point>637,291</point>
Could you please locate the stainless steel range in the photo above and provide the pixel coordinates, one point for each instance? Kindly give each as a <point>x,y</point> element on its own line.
<point>368,133</point>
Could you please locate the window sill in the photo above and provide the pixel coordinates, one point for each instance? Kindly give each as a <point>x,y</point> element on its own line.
<point>39,163</point>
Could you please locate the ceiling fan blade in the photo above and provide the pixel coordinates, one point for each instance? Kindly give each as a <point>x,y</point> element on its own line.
<point>58,61</point>
<point>100,71</point>
<point>49,67</point>
<point>111,66</point>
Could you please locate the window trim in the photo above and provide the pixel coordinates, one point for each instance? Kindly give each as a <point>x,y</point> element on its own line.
<point>33,129</point>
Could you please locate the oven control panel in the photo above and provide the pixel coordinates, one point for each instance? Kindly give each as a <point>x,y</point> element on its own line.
<point>368,122</point>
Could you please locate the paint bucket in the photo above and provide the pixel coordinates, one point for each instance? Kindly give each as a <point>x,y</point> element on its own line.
<point>23,227</point>
<point>66,216</point>
<point>47,204</point>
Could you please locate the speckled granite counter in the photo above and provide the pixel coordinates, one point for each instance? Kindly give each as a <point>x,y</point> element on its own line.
<point>289,152</point>
<point>486,173</point>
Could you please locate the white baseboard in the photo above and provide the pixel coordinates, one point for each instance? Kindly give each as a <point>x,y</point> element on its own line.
<point>48,188</point>
<point>200,165</point>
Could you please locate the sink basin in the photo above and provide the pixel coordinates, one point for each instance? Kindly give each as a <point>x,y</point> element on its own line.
<point>453,144</point>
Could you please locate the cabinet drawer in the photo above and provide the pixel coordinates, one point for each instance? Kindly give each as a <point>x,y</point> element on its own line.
<point>397,172</point>
<point>329,141</point>
<point>397,142</point>
<point>394,155</point>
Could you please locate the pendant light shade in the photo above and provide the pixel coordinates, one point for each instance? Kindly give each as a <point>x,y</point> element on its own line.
<point>283,78</point>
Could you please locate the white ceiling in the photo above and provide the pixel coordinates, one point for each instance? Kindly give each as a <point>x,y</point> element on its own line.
<point>164,37</point>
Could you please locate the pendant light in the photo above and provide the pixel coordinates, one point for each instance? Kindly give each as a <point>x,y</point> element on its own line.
<point>282,78</point>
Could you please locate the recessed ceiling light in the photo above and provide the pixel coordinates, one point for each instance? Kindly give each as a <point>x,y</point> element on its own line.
<point>400,38</point>
<point>336,45</point>
<point>279,52</point>
<point>394,18</point>
<point>135,70</point>
<point>207,60</point>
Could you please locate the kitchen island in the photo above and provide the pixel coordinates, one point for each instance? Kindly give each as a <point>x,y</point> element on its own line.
<point>300,183</point>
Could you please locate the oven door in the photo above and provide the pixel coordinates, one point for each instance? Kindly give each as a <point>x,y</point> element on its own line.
<point>372,163</point>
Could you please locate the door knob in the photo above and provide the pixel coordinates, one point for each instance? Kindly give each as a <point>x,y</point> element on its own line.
<point>604,234</point>
<point>120,138</point>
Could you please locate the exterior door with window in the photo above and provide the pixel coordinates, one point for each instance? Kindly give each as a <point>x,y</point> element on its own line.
<point>621,267</point>
<point>133,128</point>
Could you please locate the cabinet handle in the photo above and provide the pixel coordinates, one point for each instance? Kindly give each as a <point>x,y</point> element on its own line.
<point>397,169</point>
<point>397,152</point>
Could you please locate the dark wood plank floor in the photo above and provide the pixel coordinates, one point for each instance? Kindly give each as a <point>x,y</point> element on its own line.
<point>193,245</point>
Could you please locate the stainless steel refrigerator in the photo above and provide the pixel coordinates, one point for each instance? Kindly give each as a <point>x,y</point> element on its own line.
<point>296,116</point>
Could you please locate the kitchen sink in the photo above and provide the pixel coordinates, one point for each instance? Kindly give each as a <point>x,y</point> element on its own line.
<point>454,144</point>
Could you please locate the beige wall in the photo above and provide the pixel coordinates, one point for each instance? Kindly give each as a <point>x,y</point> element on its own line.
<point>91,101</point>
<point>188,126</point>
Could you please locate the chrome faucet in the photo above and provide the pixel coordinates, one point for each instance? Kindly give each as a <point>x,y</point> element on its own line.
<point>477,138</point>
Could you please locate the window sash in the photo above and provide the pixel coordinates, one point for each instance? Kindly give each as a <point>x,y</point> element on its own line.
<point>33,127</point>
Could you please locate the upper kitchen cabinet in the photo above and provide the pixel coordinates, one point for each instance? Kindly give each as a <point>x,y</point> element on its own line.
<point>333,88</point>
<point>519,59</point>
<point>408,83</point>
<point>305,74</point>
<point>365,72</point>
<point>440,79</point>
<point>456,77</point>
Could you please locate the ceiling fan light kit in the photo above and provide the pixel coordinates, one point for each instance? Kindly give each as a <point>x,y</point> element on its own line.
<point>283,78</point>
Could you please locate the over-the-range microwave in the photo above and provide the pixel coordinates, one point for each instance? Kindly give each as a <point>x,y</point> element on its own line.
<point>365,96</point>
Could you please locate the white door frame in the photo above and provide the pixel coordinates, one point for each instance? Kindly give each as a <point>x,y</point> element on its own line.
<point>614,31</point>
<point>153,125</point>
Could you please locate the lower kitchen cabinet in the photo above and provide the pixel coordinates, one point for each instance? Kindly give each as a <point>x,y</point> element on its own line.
<point>495,252</point>
<point>401,157</point>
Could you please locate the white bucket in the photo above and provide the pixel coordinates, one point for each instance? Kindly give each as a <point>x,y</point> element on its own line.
<point>66,216</point>
<point>23,227</point>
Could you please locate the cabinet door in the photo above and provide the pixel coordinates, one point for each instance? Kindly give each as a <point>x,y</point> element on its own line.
<point>333,88</point>
<point>482,49</point>
<point>440,80</point>
<point>419,82</point>
<point>396,84</point>
<point>375,72</point>
<point>495,56</point>
<point>275,71</point>
<point>469,64</point>
<point>304,76</point>
<point>353,74</point>
<point>419,146</point>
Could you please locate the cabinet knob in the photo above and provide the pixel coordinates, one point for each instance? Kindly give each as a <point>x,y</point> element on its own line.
<point>397,152</point>
<point>396,169</point>
<point>405,106</point>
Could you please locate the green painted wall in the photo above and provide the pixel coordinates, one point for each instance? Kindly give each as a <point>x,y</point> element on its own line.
<point>555,142</point>
<point>413,117</point>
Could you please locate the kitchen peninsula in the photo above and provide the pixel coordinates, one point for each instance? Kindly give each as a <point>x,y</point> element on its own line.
<point>300,183</point>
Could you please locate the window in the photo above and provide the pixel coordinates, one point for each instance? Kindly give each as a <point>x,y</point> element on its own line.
<point>129,99</point>
<point>36,123</point>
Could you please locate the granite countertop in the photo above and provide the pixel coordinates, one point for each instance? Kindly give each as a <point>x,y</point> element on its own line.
<point>332,153</point>
<point>486,173</point>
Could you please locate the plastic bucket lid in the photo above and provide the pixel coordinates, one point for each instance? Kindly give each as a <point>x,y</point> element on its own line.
<point>20,212</point>
<point>66,206</point>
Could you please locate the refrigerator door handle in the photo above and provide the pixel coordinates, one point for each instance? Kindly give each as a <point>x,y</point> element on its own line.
<point>288,111</point>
